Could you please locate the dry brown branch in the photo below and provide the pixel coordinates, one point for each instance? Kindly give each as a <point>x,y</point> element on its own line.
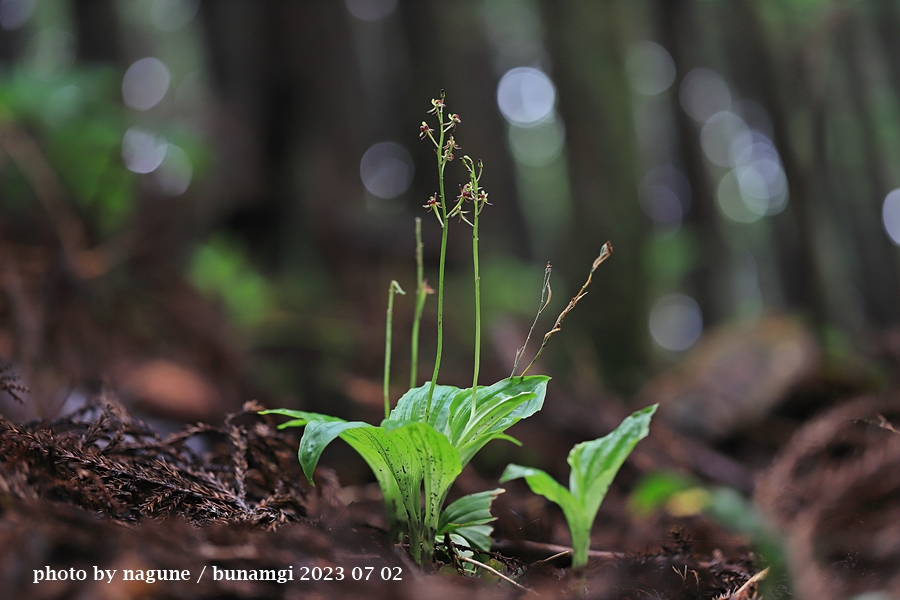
<point>605,252</point>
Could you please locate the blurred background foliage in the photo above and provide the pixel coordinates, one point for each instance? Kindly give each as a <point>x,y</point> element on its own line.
<point>221,191</point>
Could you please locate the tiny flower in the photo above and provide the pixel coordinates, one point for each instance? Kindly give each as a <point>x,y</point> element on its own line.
<point>432,202</point>
<point>437,106</point>
<point>424,130</point>
<point>452,123</point>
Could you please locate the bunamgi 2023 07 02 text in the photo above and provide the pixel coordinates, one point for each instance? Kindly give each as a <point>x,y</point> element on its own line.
<point>219,574</point>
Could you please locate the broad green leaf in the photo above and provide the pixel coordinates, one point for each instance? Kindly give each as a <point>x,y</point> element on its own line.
<point>414,403</point>
<point>440,465</point>
<point>542,484</point>
<point>300,418</point>
<point>317,435</point>
<point>473,536</point>
<point>595,463</point>
<point>497,408</point>
<point>526,395</point>
<point>407,458</point>
<point>411,452</point>
<point>474,509</point>
<point>395,462</point>
<point>468,517</point>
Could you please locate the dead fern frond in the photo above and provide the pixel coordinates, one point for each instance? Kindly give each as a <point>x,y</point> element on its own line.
<point>9,383</point>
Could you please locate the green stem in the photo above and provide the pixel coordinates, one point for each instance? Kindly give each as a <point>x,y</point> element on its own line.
<point>444,227</point>
<point>395,287</point>
<point>477,210</point>
<point>421,292</point>
<point>581,543</point>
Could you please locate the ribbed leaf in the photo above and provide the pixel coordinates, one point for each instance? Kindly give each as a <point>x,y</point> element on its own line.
<point>497,408</point>
<point>407,459</point>
<point>300,419</point>
<point>316,437</point>
<point>414,403</point>
<point>468,517</point>
<point>542,484</point>
<point>594,465</point>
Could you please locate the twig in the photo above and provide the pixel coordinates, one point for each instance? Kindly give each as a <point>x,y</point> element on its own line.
<point>549,558</point>
<point>528,546</point>
<point>742,593</point>
<point>495,572</point>
<point>885,424</point>
<point>546,295</point>
<point>605,252</point>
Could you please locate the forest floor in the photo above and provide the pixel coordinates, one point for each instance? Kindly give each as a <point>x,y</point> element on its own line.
<point>95,503</point>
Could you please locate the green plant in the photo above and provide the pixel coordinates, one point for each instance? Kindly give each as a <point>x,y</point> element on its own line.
<point>416,458</point>
<point>420,448</point>
<point>422,445</point>
<point>594,465</point>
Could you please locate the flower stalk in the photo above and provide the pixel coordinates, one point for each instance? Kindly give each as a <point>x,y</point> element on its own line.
<point>394,287</point>
<point>444,146</point>
<point>422,290</point>
<point>471,192</point>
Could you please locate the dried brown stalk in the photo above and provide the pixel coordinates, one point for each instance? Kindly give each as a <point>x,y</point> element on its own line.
<point>605,252</point>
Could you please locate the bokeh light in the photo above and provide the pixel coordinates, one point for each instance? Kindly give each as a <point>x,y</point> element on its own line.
<point>718,135</point>
<point>145,83</point>
<point>171,15</point>
<point>538,145</point>
<point>665,196</point>
<point>676,322</point>
<point>890,215</point>
<point>757,186</point>
<point>731,200</point>
<point>526,96</point>
<point>704,93</point>
<point>15,13</point>
<point>175,172</point>
<point>371,10</point>
<point>143,151</point>
<point>649,67</point>
<point>386,169</point>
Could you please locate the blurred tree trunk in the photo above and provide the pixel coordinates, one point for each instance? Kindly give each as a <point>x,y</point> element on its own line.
<point>583,38</point>
<point>454,56</point>
<point>876,261</point>
<point>678,31</point>
<point>96,22</point>
<point>759,78</point>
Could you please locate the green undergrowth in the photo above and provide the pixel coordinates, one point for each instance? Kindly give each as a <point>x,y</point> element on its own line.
<point>423,443</point>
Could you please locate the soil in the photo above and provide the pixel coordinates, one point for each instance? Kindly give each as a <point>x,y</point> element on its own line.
<point>99,491</point>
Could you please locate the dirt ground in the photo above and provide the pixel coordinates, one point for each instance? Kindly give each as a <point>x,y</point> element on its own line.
<point>99,489</point>
<point>97,504</point>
